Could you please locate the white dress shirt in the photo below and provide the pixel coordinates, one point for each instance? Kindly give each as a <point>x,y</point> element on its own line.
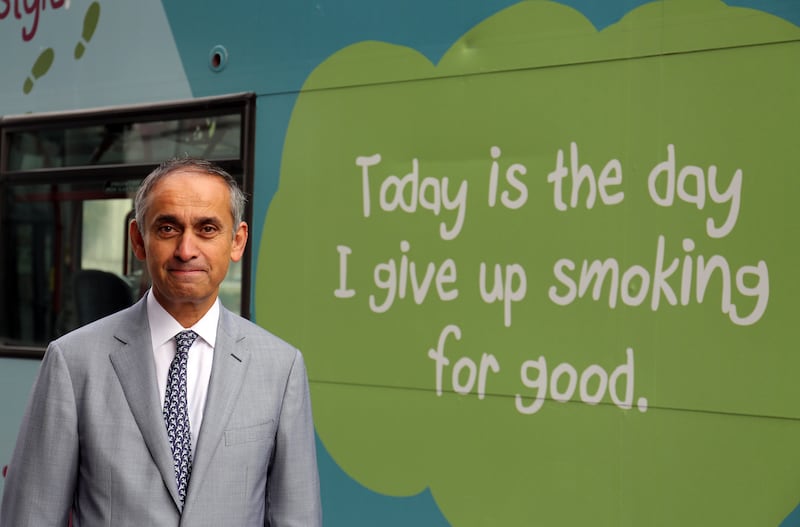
<point>163,328</point>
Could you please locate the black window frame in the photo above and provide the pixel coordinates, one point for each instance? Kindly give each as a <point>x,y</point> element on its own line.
<point>244,103</point>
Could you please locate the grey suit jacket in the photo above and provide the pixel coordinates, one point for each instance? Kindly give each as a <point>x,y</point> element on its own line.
<point>93,437</point>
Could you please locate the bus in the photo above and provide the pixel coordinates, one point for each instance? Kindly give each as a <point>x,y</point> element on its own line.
<point>537,254</point>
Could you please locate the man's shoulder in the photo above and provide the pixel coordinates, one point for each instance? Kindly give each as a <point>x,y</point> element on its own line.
<point>82,347</point>
<point>249,333</point>
<point>109,325</point>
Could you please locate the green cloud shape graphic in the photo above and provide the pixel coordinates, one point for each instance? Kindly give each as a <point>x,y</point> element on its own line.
<point>651,395</point>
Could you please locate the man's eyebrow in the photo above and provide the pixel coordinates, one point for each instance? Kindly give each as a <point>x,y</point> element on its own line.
<point>166,218</point>
<point>205,220</point>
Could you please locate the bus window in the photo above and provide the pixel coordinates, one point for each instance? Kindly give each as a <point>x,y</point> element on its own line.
<point>67,183</point>
<point>128,142</point>
<point>50,233</point>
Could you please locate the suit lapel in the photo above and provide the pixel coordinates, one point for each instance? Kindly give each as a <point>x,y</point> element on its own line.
<point>132,359</point>
<point>227,376</point>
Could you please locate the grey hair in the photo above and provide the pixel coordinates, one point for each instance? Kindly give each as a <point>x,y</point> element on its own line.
<point>142,200</point>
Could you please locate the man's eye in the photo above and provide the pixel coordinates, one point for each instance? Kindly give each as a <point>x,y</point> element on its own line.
<point>166,229</point>
<point>208,229</point>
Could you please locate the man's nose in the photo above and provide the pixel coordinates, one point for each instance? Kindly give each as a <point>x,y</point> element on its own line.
<point>187,247</point>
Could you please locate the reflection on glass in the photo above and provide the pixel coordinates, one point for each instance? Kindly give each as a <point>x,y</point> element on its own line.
<point>214,138</point>
<point>103,237</point>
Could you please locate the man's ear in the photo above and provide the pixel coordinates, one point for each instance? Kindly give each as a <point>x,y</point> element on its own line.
<point>137,241</point>
<point>239,242</point>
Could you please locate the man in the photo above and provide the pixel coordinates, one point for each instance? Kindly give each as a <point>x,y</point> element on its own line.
<point>125,427</point>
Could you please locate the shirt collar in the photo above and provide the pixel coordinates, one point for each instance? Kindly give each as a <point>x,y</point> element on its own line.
<point>164,327</point>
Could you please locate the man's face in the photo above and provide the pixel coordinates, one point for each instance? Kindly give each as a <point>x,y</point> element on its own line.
<point>188,241</point>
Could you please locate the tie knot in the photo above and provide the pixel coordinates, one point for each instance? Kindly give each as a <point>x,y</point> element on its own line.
<point>185,339</point>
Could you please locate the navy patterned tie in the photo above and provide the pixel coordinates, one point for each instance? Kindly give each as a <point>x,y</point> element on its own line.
<point>176,412</point>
